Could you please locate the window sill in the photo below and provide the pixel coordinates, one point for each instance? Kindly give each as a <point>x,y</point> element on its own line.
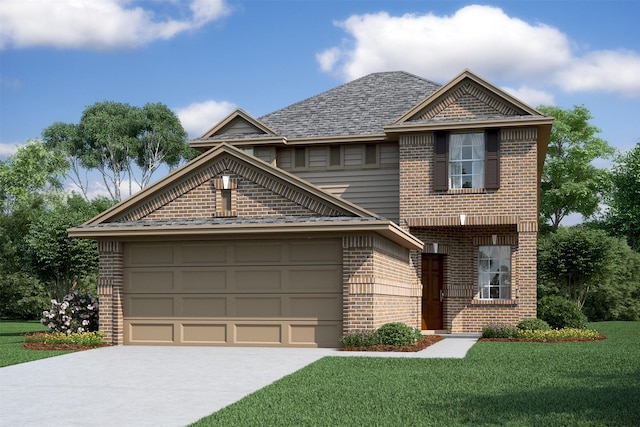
<point>466,191</point>
<point>225,214</point>
<point>503,302</point>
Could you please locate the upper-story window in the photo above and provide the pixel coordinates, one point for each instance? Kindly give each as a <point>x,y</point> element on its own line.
<point>371,155</point>
<point>300,157</point>
<point>466,160</point>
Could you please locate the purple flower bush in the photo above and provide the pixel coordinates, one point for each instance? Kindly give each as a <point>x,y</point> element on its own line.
<point>76,313</point>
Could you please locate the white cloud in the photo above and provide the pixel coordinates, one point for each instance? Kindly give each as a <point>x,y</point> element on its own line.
<point>7,150</point>
<point>95,24</point>
<point>199,117</point>
<point>531,96</point>
<point>484,39</point>
<point>97,188</point>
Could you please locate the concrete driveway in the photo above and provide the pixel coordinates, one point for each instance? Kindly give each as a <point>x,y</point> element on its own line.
<point>158,386</point>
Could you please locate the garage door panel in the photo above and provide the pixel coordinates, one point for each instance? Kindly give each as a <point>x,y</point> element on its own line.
<point>258,306</point>
<point>257,253</point>
<point>144,255</point>
<point>258,279</point>
<point>204,333</point>
<point>258,333</point>
<point>316,307</point>
<point>203,280</point>
<point>143,280</point>
<point>315,279</point>
<point>149,306</point>
<point>203,306</point>
<point>203,254</point>
<point>311,252</point>
<point>150,333</point>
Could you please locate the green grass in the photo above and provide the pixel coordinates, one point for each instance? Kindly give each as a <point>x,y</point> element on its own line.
<point>498,384</point>
<point>11,339</point>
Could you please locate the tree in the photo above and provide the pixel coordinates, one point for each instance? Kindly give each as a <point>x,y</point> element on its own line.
<point>63,139</point>
<point>32,172</point>
<point>63,263</point>
<point>623,218</point>
<point>574,260</point>
<point>570,183</point>
<point>114,137</point>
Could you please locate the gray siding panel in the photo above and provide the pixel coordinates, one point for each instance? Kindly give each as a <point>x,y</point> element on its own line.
<point>373,189</point>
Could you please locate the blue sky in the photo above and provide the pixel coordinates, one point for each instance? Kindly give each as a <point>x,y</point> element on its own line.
<point>203,58</point>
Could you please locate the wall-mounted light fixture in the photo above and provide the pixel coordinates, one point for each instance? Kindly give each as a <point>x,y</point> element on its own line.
<point>463,218</point>
<point>435,248</point>
<point>225,182</point>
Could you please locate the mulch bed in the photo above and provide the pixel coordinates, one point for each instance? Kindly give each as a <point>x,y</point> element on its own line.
<point>420,345</point>
<point>72,347</point>
<point>598,338</point>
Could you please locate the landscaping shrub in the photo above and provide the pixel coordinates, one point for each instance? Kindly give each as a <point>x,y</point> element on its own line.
<point>560,313</point>
<point>558,334</point>
<point>533,325</point>
<point>22,297</point>
<point>398,334</point>
<point>366,338</point>
<point>499,331</point>
<point>83,338</point>
<point>75,313</point>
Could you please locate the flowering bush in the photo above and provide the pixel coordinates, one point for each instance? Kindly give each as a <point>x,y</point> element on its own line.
<point>75,313</point>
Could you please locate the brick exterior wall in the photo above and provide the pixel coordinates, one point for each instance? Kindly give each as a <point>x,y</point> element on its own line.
<point>510,213</point>
<point>110,291</point>
<point>380,284</point>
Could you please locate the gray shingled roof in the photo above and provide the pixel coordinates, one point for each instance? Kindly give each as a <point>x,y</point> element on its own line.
<point>360,107</point>
<point>189,222</point>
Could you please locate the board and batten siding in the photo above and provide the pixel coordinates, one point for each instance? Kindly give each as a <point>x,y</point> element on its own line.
<point>375,188</point>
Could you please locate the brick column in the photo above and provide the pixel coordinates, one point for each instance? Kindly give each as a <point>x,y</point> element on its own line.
<point>527,268</point>
<point>110,289</point>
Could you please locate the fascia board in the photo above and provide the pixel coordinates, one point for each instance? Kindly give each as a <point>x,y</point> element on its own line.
<point>469,124</point>
<point>385,228</point>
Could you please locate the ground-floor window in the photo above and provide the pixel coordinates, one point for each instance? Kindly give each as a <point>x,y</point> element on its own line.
<point>494,272</point>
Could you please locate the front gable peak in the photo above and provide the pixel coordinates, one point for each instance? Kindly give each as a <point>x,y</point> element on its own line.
<point>238,123</point>
<point>467,97</point>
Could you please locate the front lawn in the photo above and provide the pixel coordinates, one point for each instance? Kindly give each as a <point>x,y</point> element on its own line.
<point>11,338</point>
<point>593,383</point>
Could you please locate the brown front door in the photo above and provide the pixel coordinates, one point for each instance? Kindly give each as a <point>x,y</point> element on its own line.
<point>432,281</point>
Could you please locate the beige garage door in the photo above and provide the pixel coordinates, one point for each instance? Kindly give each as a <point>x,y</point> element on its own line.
<point>285,293</point>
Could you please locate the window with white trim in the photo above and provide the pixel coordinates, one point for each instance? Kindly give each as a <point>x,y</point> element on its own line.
<point>466,160</point>
<point>494,272</point>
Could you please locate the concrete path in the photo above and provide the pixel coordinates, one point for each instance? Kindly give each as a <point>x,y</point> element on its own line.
<point>156,386</point>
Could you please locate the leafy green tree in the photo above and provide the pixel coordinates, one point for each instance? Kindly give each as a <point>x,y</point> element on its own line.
<point>115,138</point>
<point>60,262</point>
<point>570,182</point>
<point>32,172</point>
<point>573,261</point>
<point>623,218</point>
<point>617,297</point>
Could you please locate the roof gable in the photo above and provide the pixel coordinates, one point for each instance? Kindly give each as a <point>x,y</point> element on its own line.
<point>238,123</point>
<point>177,192</point>
<point>467,97</point>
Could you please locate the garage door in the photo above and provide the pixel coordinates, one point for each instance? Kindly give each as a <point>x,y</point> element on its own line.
<point>276,293</point>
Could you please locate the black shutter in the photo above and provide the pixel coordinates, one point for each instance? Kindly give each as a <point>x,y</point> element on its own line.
<point>492,159</point>
<point>441,162</point>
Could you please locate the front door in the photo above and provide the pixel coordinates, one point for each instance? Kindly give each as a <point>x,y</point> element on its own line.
<point>432,287</point>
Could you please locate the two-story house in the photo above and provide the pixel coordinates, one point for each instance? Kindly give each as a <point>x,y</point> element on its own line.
<point>389,198</point>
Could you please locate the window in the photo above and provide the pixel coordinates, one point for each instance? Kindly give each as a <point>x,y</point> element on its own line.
<point>370,154</point>
<point>300,157</point>
<point>494,272</point>
<point>466,160</point>
<point>335,156</point>
<point>226,200</point>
